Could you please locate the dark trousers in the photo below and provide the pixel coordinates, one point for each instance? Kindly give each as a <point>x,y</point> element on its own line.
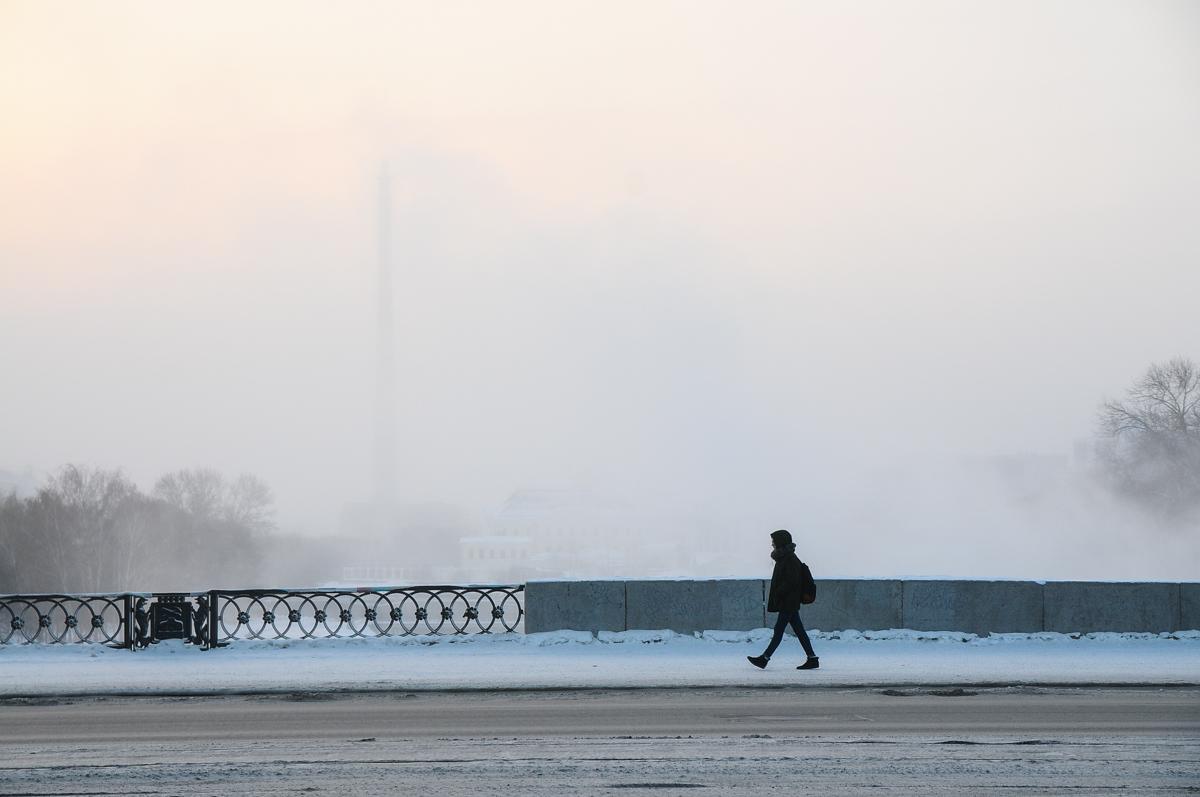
<point>781,624</point>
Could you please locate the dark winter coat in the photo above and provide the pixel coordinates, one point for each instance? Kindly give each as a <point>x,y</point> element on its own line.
<point>786,581</point>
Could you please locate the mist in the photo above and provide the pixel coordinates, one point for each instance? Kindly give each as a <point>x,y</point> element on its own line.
<point>683,274</point>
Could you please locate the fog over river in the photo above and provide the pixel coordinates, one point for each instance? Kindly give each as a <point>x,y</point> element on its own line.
<point>663,276</point>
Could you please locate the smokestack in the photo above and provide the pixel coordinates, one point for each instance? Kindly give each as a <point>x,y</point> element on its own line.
<point>385,393</point>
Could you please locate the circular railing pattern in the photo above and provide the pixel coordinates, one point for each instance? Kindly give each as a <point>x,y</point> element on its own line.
<point>220,616</point>
<point>401,611</point>
<point>62,618</point>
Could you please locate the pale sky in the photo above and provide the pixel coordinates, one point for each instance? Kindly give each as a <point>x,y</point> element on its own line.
<point>718,248</point>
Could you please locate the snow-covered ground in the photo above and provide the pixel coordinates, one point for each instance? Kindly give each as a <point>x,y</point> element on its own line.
<point>572,659</point>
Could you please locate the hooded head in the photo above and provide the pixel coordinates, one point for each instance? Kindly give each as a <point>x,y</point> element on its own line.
<point>781,538</point>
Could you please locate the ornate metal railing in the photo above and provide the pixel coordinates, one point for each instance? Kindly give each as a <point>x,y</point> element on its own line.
<point>106,619</point>
<point>364,612</point>
<point>218,617</point>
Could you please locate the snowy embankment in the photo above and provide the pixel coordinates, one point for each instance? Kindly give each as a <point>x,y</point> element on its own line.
<point>575,659</point>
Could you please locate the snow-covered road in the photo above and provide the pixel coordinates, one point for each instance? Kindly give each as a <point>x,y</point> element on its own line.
<point>740,742</point>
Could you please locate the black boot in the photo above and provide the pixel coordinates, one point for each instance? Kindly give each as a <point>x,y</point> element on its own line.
<point>812,664</point>
<point>758,661</point>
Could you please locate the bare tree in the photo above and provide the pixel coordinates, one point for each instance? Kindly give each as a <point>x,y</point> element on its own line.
<point>223,523</point>
<point>88,510</point>
<point>1153,450</point>
<point>204,493</point>
<point>200,491</point>
<point>12,538</point>
<point>249,503</point>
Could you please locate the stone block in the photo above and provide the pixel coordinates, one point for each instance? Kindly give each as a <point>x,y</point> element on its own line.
<point>978,607</point>
<point>574,605</point>
<point>688,606</point>
<point>1086,606</point>
<point>862,604</point>
<point>1189,606</point>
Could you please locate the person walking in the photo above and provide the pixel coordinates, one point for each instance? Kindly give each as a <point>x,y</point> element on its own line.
<point>787,582</point>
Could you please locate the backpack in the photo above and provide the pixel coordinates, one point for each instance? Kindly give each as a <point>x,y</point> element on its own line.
<point>808,587</point>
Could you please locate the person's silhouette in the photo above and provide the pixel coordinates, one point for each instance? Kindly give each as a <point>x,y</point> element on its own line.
<point>784,598</point>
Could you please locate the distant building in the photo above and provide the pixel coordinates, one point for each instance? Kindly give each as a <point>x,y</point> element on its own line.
<point>536,533</point>
<point>366,575</point>
<point>404,543</point>
<point>574,533</point>
<point>495,558</point>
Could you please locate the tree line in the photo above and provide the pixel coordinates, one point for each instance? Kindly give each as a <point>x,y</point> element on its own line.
<point>93,530</point>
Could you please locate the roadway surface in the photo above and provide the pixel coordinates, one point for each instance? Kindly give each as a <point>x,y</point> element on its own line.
<point>1016,740</point>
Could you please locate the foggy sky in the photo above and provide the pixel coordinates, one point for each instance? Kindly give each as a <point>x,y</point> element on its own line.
<point>729,256</point>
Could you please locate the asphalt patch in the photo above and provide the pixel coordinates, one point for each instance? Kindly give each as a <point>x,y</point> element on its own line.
<point>657,786</point>
<point>956,692</point>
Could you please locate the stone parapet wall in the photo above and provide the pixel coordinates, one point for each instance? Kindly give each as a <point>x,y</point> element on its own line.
<point>979,607</point>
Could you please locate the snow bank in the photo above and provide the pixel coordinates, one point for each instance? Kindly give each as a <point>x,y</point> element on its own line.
<point>580,659</point>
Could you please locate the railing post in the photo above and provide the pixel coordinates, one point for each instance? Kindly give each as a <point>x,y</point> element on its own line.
<point>127,622</point>
<point>214,633</point>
